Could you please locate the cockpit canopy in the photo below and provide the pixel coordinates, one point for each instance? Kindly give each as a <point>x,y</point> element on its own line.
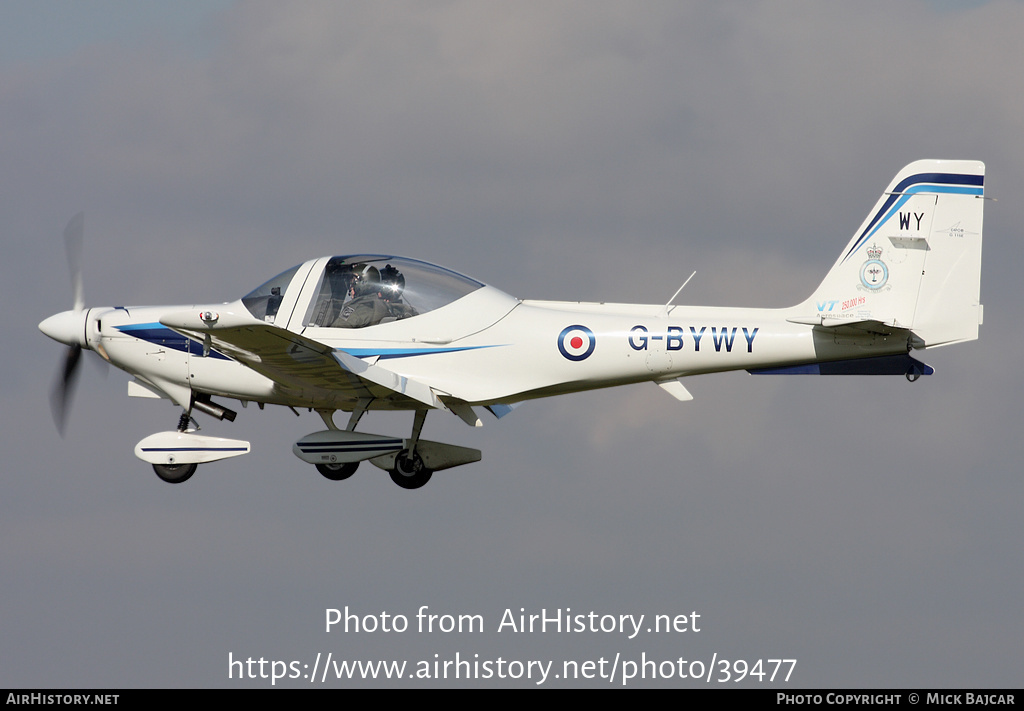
<point>357,291</point>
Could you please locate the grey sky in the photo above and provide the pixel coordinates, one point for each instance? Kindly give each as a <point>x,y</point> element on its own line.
<point>579,150</point>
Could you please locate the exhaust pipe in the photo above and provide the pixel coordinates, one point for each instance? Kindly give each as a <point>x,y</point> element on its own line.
<point>214,410</point>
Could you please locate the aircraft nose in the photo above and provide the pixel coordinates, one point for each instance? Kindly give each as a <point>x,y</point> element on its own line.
<point>67,327</point>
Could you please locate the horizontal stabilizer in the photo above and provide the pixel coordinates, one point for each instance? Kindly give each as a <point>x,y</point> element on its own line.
<point>885,328</point>
<point>882,365</point>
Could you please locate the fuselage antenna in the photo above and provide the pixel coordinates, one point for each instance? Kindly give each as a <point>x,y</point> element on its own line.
<point>677,291</point>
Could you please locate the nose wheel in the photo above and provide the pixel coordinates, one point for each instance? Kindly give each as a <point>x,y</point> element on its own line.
<point>409,471</point>
<point>175,473</point>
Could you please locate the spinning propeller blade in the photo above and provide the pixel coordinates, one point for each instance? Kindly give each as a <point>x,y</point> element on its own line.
<point>73,237</point>
<point>64,386</point>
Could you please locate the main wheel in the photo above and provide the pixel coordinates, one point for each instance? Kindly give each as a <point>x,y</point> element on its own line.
<point>175,473</point>
<point>410,472</point>
<point>338,472</point>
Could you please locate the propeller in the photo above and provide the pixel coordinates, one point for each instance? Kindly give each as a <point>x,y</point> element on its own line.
<point>73,238</point>
<point>63,388</point>
<point>67,376</point>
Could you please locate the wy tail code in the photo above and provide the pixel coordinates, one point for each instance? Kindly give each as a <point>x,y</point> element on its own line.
<point>360,333</point>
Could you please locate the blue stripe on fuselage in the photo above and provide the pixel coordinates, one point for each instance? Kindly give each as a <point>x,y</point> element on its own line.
<point>385,353</point>
<point>160,335</point>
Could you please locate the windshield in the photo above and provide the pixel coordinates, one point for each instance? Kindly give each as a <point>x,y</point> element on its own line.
<point>365,290</point>
<point>264,301</point>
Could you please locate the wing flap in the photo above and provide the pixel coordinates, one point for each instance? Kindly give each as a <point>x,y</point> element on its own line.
<point>388,379</point>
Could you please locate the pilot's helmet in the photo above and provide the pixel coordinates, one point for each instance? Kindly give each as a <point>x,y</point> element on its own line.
<point>392,283</point>
<point>340,275</point>
<point>367,279</point>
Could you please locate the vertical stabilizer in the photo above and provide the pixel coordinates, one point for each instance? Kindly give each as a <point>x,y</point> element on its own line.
<point>915,263</point>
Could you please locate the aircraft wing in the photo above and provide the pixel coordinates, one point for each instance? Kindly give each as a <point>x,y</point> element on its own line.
<point>295,361</point>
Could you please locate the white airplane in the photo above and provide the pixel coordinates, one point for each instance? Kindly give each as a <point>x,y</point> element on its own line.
<point>371,332</point>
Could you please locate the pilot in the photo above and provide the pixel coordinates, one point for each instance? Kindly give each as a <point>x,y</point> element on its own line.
<point>392,285</point>
<point>367,306</point>
<point>334,292</point>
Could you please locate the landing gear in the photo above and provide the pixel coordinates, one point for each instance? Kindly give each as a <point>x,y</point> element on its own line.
<point>175,455</point>
<point>175,473</point>
<point>178,473</point>
<point>338,472</point>
<point>410,461</point>
<point>185,420</point>
<point>409,471</point>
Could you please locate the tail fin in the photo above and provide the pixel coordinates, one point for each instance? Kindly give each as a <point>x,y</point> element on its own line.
<point>915,263</point>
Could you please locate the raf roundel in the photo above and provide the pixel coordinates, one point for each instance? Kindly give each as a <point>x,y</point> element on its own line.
<point>576,342</point>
